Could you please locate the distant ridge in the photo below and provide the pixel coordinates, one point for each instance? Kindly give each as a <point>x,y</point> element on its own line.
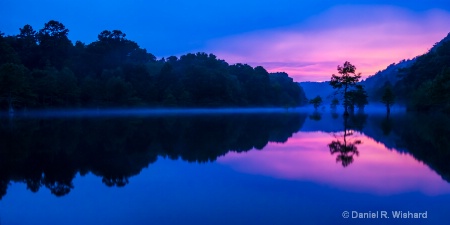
<point>323,89</point>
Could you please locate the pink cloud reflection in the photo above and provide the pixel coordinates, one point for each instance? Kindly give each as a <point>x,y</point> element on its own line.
<point>371,39</point>
<point>306,157</point>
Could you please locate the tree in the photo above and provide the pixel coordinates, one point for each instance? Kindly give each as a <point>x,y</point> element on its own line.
<point>7,52</point>
<point>316,102</point>
<point>346,79</point>
<point>388,97</point>
<point>27,35</point>
<point>112,50</point>
<point>14,83</point>
<point>53,29</point>
<point>433,94</point>
<point>27,47</point>
<point>358,97</point>
<point>115,71</point>
<point>54,44</point>
<point>68,91</point>
<point>45,86</point>
<point>119,92</point>
<point>90,92</point>
<point>334,103</point>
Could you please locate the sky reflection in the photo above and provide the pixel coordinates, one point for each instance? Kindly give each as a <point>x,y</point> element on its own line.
<point>306,156</point>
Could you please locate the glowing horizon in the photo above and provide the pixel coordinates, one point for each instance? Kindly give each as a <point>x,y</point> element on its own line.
<point>312,50</point>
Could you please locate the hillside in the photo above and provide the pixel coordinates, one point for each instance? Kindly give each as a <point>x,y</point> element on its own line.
<point>422,83</point>
<point>374,84</point>
<point>323,89</point>
<point>425,85</point>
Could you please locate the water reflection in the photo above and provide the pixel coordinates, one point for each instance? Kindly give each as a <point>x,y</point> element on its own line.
<point>305,156</point>
<point>316,116</point>
<point>345,149</point>
<point>396,154</point>
<point>425,136</point>
<point>43,152</point>
<point>386,125</point>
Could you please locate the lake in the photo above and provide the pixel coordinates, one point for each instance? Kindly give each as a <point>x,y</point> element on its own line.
<point>253,166</point>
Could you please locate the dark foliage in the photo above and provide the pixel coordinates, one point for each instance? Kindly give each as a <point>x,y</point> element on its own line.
<point>388,97</point>
<point>425,85</point>
<point>347,79</point>
<point>316,102</point>
<point>375,85</point>
<point>114,71</point>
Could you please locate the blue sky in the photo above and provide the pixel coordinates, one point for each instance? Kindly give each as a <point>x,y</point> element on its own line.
<point>238,31</point>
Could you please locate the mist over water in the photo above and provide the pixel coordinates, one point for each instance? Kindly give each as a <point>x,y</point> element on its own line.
<point>125,112</point>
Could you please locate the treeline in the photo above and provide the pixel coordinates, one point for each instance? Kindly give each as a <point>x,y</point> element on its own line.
<point>425,85</point>
<point>44,69</point>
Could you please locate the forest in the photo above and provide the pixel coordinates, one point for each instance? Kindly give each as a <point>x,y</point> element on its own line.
<point>44,69</point>
<point>425,85</point>
<point>421,83</point>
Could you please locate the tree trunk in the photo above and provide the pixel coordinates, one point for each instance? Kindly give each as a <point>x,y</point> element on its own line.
<point>345,101</point>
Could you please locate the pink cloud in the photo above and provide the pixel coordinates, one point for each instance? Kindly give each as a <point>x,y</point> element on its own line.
<point>369,37</point>
<point>306,157</point>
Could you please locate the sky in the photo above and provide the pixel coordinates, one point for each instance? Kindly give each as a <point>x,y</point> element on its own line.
<point>307,39</point>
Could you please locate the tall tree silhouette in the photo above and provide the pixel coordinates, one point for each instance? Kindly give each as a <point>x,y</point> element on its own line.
<point>54,44</point>
<point>388,97</point>
<point>347,78</point>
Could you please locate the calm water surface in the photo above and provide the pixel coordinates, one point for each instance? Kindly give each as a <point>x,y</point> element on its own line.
<point>223,168</point>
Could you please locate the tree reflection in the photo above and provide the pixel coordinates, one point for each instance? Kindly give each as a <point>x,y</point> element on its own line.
<point>425,136</point>
<point>356,121</point>
<point>334,115</point>
<point>51,152</point>
<point>3,187</point>
<point>59,188</point>
<point>386,125</point>
<point>345,149</point>
<point>33,184</point>
<point>316,116</point>
<point>117,181</point>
